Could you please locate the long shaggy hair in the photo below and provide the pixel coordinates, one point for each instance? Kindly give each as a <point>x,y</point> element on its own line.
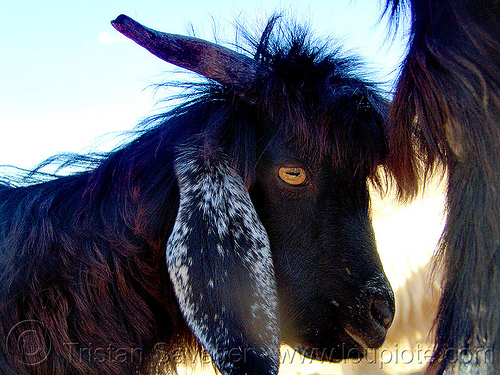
<point>83,268</point>
<point>446,111</point>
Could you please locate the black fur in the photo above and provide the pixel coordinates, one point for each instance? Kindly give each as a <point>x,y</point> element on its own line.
<point>87,260</point>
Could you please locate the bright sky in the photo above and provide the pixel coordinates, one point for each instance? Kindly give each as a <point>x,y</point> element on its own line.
<point>67,77</point>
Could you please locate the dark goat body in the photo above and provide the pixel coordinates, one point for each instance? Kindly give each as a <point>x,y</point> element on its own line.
<point>187,235</point>
<point>446,111</point>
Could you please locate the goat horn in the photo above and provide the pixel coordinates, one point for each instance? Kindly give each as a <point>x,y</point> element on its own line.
<point>221,64</point>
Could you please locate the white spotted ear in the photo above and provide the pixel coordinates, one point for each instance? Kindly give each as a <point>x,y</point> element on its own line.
<point>220,264</point>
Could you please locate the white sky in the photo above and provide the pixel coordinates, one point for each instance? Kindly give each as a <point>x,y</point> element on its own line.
<point>68,78</point>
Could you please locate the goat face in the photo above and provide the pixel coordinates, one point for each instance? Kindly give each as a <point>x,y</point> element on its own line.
<point>334,298</point>
<point>280,249</point>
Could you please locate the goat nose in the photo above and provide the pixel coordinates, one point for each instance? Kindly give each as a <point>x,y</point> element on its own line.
<point>382,310</point>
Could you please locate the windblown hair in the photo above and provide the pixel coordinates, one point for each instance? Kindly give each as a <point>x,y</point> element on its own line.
<point>84,273</point>
<point>446,112</point>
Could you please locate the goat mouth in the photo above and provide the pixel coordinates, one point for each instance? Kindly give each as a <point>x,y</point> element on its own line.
<point>372,340</point>
<point>333,342</point>
<point>361,343</point>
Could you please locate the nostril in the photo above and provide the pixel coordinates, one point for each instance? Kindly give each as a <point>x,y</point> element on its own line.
<point>382,311</point>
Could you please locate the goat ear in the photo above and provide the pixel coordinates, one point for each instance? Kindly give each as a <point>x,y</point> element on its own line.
<point>220,264</point>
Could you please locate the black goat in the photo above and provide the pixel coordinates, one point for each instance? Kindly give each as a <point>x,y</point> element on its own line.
<point>238,221</point>
<point>446,110</point>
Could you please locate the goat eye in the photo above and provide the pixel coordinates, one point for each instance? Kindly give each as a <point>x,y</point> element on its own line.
<point>293,176</point>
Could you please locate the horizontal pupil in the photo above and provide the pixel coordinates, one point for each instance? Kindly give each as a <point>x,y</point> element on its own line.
<point>293,176</point>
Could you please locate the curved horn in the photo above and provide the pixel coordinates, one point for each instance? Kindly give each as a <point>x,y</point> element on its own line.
<point>221,64</point>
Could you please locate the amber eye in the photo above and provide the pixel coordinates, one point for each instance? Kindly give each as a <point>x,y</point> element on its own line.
<point>293,176</point>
